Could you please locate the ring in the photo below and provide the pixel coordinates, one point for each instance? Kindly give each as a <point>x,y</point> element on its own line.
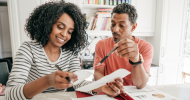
<point>118,92</point>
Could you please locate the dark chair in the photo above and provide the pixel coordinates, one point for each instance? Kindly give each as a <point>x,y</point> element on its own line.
<point>4,73</point>
<point>8,61</point>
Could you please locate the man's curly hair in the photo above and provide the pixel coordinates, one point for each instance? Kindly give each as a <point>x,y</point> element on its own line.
<point>39,24</point>
<point>128,9</point>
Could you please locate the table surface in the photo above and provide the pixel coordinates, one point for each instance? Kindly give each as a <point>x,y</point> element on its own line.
<point>181,91</point>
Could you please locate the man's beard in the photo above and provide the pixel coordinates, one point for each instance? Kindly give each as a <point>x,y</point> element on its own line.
<point>116,39</point>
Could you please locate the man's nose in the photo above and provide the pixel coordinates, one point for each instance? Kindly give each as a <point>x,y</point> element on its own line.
<point>116,29</point>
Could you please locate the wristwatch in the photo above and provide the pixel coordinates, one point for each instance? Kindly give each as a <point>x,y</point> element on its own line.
<point>139,62</point>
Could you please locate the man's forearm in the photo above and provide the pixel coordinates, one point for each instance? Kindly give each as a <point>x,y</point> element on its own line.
<point>98,76</point>
<point>139,76</point>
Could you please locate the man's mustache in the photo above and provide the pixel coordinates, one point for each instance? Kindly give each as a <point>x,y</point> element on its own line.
<point>114,33</point>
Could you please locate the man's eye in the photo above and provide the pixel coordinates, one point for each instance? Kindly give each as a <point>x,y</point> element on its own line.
<point>112,24</point>
<point>121,25</point>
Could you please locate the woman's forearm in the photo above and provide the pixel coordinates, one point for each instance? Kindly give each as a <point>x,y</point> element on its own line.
<point>33,88</point>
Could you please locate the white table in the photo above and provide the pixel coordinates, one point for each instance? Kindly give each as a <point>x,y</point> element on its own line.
<point>181,91</point>
<point>178,90</point>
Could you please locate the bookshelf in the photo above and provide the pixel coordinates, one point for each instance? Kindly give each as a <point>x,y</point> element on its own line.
<point>98,33</point>
<point>93,6</point>
<point>145,21</point>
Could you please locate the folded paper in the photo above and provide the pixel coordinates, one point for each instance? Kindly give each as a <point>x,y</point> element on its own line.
<point>82,75</point>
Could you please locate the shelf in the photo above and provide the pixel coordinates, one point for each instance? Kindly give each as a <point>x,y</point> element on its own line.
<point>92,6</point>
<point>109,33</point>
<point>98,33</point>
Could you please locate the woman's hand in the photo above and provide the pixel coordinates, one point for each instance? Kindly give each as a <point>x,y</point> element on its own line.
<point>58,79</point>
<point>113,89</point>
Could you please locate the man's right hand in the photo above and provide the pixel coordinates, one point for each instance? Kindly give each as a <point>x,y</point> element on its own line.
<point>58,79</point>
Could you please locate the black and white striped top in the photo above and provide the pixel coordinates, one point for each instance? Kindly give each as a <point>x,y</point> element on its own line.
<point>31,63</point>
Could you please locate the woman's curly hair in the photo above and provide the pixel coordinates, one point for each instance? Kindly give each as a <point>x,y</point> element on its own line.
<point>39,24</point>
<point>128,9</point>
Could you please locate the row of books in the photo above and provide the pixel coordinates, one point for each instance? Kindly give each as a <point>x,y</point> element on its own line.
<point>105,2</point>
<point>101,21</point>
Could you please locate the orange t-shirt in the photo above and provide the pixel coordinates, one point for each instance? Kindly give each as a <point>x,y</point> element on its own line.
<point>114,62</point>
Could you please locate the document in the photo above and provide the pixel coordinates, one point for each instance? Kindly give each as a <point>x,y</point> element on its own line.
<point>82,75</point>
<point>132,89</point>
<point>106,79</point>
<point>96,97</point>
<point>147,93</point>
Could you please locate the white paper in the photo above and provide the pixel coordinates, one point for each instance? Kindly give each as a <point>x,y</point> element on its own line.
<point>96,97</point>
<point>106,79</point>
<point>82,75</point>
<point>131,89</point>
<point>146,93</point>
<point>148,96</point>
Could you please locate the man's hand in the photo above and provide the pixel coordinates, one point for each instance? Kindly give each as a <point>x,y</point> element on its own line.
<point>127,48</point>
<point>113,89</point>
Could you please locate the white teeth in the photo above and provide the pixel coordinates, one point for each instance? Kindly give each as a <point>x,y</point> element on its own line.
<point>60,39</point>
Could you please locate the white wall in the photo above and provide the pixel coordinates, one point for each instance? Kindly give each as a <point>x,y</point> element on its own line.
<point>5,41</point>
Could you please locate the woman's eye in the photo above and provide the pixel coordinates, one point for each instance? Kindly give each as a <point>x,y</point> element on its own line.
<point>70,32</point>
<point>60,26</point>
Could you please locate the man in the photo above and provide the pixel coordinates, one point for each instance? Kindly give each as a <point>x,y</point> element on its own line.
<point>130,52</point>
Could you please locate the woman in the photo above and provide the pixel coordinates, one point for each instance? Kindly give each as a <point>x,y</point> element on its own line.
<point>57,33</point>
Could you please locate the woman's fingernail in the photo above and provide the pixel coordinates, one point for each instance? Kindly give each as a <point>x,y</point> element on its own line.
<point>107,84</point>
<point>110,83</point>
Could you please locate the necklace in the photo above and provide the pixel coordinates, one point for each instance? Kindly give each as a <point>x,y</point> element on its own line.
<point>51,59</point>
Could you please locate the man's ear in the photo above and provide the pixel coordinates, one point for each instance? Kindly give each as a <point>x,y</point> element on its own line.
<point>134,27</point>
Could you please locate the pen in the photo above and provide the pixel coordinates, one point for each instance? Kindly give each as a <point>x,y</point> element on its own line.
<point>112,51</point>
<point>58,68</point>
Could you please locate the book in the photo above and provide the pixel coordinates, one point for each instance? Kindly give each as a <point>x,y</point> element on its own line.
<point>108,24</point>
<point>105,24</point>
<point>123,1</point>
<point>115,2</point>
<point>91,22</point>
<point>98,23</point>
<point>102,12</point>
<point>96,2</point>
<point>102,2</point>
<point>99,2</point>
<point>90,1</point>
<point>106,2</point>
<point>118,2</point>
<point>111,2</point>
<point>93,1</point>
<point>94,24</point>
<point>105,10</point>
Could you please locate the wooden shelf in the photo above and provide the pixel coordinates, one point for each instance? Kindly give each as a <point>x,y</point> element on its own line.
<point>92,6</point>
<point>109,33</point>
